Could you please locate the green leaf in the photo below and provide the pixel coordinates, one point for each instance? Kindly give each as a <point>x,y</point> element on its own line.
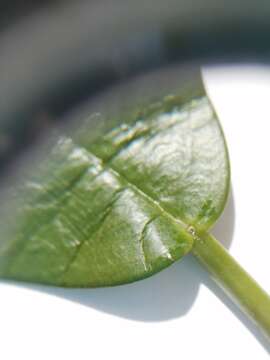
<point>118,207</point>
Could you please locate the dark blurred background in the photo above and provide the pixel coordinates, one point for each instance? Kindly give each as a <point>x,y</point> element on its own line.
<point>72,50</point>
<point>13,10</point>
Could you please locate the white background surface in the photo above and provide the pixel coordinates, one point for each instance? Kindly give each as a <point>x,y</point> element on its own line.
<point>179,313</point>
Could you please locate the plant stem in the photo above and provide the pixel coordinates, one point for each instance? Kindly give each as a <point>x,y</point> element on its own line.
<point>234,280</point>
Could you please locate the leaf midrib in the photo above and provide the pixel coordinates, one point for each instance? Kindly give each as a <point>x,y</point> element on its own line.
<point>137,189</point>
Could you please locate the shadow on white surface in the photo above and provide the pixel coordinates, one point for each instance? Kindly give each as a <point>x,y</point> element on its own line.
<point>167,295</point>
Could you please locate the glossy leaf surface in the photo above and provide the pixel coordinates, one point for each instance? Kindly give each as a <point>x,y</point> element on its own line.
<point>117,208</point>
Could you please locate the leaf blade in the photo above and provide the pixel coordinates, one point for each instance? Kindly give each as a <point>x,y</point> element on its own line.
<point>117,209</point>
